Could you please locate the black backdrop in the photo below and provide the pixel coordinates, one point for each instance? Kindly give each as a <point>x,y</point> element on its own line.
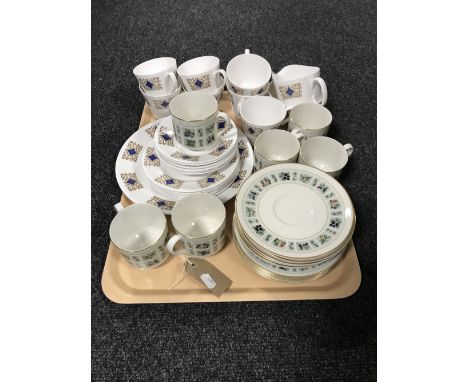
<point>313,340</point>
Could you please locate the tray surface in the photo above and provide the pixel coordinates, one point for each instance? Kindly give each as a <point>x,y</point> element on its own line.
<point>125,285</point>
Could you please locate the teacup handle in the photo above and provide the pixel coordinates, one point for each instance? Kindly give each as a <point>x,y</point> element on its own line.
<point>298,134</point>
<point>323,90</point>
<point>171,79</point>
<point>118,207</point>
<point>222,74</point>
<point>171,244</point>
<point>226,117</point>
<point>239,104</point>
<point>349,148</point>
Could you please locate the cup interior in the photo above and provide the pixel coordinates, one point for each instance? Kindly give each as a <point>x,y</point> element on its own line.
<point>198,65</point>
<point>310,116</point>
<point>277,145</point>
<point>198,215</point>
<point>263,111</point>
<point>193,106</point>
<point>324,153</point>
<point>156,65</point>
<point>248,71</point>
<point>137,227</point>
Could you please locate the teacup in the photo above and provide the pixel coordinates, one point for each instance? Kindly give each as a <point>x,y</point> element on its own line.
<point>201,73</point>
<point>261,113</point>
<point>248,74</point>
<point>237,99</point>
<point>310,119</point>
<point>326,154</point>
<point>276,146</point>
<point>157,76</point>
<point>195,117</point>
<point>139,231</point>
<point>199,221</point>
<point>296,86</point>
<point>159,104</point>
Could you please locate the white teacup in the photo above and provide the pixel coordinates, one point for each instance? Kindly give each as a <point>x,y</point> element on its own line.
<point>237,99</point>
<point>248,74</point>
<point>261,113</point>
<point>139,231</point>
<point>157,76</point>
<point>296,84</point>
<point>195,117</point>
<point>310,119</point>
<point>326,154</point>
<point>200,222</point>
<point>276,146</point>
<point>201,73</point>
<point>159,105</point>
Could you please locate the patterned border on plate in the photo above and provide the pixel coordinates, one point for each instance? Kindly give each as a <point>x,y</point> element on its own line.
<point>256,225</point>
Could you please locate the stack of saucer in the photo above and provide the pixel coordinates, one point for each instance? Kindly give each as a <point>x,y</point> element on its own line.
<point>292,222</point>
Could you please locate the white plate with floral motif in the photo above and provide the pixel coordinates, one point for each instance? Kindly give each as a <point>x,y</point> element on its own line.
<point>284,270</point>
<point>295,211</point>
<point>168,147</point>
<point>172,182</point>
<point>137,187</point>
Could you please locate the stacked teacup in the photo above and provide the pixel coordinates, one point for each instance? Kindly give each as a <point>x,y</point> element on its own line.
<point>158,83</point>
<point>248,75</point>
<point>203,74</point>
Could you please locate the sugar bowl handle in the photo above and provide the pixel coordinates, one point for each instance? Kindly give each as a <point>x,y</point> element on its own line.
<point>171,244</point>
<point>349,148</point>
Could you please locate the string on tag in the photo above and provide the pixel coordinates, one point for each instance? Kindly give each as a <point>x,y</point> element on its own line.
<point>181,274</point>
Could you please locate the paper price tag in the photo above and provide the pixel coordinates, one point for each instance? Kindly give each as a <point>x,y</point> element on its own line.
<point>208,275</point>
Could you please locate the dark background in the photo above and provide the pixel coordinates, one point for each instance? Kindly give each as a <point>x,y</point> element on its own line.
<point>296,340</point>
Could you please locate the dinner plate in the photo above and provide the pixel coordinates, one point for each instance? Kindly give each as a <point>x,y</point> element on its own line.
<point>137,187</point>
<point>171,182</point>
<point>295,211</point>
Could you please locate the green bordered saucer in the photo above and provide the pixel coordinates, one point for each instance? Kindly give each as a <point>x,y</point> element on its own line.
<point>295,211</point>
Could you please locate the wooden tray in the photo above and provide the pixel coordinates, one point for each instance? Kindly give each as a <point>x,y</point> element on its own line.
<point>125,285</point>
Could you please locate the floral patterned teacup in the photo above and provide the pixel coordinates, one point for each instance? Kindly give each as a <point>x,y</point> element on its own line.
<point>276,146</point>
<point>157,76</point>
<point>200,222</point>
<point>139,231</point>
<point>195,117</point>
<point>201,73</point>
<point>261,113</point>
<point>159,104</point>
<point>326,154</point>
<point>248,74</point>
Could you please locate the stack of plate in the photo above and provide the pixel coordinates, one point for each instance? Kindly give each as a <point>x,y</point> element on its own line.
<point>292,222</point>
<point>152,167</point>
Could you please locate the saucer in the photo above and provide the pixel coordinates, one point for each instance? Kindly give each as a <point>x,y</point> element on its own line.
<point>137,187</point>
<point>295,211</point>
<point>168,147</point>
